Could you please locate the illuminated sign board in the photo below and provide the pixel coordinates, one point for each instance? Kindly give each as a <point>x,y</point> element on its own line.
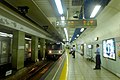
<point>78,23</point>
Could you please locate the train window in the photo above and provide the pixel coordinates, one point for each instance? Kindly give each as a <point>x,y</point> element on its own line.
<point>4,50</point>
<point>55,46</point>
<point>4,47</point>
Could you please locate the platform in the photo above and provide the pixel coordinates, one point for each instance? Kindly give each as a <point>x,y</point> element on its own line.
<point>80,68</point>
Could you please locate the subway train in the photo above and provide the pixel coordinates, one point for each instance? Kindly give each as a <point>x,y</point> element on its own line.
<point>5,50</point>
<point>54,50</point>
<point>5,54</point>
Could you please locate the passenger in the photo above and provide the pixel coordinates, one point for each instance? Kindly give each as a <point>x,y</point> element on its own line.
<point>98,60</point>
<point>73,53</point>
<point>71,50</point>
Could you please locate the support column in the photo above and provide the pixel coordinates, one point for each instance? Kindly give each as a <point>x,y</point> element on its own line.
<point>18,49</point>
<point>42,48</point>
<point>34,47</point>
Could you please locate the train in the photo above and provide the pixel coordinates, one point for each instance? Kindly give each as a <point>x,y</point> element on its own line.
<point>54,50</point>
<point>5,54</point>
<point>5,50</point>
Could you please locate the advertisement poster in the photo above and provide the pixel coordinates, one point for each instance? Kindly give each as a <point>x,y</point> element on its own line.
<point>109,48</point>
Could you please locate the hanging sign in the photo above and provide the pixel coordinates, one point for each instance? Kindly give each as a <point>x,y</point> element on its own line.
<point>78,23</point>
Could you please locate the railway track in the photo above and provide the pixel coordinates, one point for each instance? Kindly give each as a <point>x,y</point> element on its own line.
<point>37,71</point>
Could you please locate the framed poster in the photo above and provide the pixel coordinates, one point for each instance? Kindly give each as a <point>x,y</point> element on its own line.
<point>109,49</point>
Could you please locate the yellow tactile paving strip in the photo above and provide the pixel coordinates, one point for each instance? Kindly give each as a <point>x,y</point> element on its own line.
<point>64,72</point>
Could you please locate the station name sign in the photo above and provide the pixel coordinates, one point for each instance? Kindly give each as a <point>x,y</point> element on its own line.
<point>78,23</point>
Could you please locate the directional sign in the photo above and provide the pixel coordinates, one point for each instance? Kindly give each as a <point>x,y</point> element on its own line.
<point>77,23</point>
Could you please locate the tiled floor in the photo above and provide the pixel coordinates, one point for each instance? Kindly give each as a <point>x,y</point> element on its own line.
<point>81,69</point>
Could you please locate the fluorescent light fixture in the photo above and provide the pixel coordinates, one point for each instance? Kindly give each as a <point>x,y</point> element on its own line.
<point>58,43</point>
<point>66,33</point>
<point>57,23</point>
<point>63,39</point>
<point>10,35</point>
<point>95,10</point>
<point>77,35</point>
<point>38,46</point>
<point>50,51</point>
<point>82,29</point>
<point>90,46</point>
<point>59,6</point>
<point>62,18</point>
<point>96,38</point>
<point>5,34</point>
<point>27,39</point>
<point>2,33</point>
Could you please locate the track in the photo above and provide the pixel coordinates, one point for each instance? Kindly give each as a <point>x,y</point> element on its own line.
<point>36,72</point>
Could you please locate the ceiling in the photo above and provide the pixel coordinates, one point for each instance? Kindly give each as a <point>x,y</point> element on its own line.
<point>44,13</point>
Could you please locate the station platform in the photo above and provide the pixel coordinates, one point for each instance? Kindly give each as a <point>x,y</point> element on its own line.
<point>80,68</point>
<point>69,68</point>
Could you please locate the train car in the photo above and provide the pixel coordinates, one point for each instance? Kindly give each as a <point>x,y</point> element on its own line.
<point>54,50</point>
<point>5,55</point>
<point>5,50</point>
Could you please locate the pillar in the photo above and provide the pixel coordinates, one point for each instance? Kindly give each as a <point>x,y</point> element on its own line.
<point>18,49</point>
<point>34,48</point>
<point>42,48</point>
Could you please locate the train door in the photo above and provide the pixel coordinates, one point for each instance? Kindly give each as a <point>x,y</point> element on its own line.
<point>5,55</point>
<point>5,50</point>
<point>27,57</point>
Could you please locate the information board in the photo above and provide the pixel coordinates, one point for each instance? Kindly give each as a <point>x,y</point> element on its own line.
<point>77,23</point>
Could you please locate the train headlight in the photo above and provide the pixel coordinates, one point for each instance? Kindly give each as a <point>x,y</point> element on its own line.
<point>59,51</point>
<point>50,51</point>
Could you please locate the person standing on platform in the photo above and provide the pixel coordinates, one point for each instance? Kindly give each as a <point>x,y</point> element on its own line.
<point>71,50</point>
<point>98,60</point>
<point>73,53</point>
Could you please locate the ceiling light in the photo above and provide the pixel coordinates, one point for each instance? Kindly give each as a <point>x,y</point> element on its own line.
<point>57,23</point>
<point>62,18</point>
<point>96,39</point>
<point>63,23</point>
<point>5,34</point>
<point>82,29</point>
<point>27,38</point>
<point>95,10</point>
<point>59,6</point>
<point>66,33</point>
<point>10,35</point>
<point>77,35</point>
